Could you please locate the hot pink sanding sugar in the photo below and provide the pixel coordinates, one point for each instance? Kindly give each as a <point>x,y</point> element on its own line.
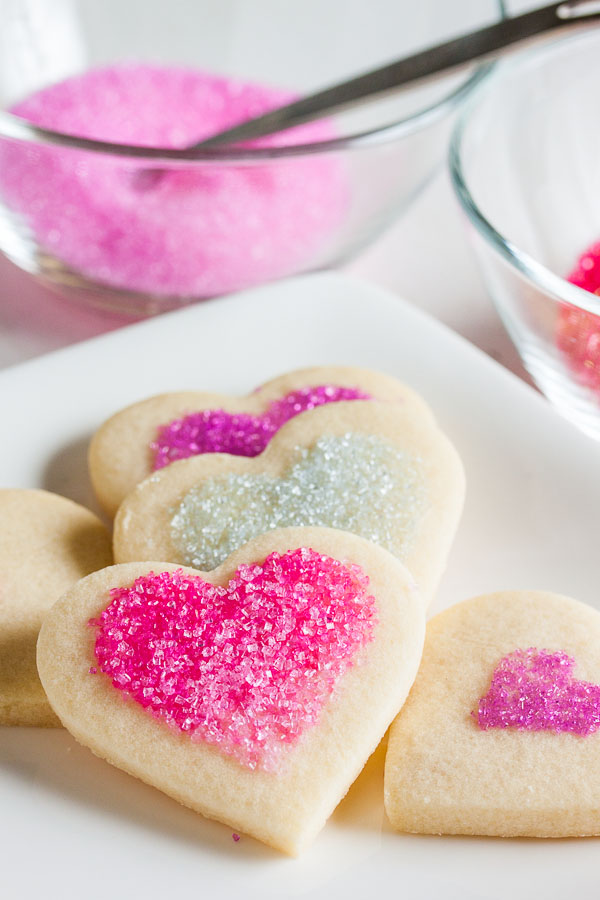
<point>578,331</point>
<point>217,431</point>
<point>198,231</point>
<point>534,690</point>
<point>247,667</point>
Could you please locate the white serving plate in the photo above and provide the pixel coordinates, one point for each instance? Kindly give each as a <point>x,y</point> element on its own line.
<point>74,827</point>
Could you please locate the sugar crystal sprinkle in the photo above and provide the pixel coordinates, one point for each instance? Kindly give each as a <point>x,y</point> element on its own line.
<point>247,668</point>
<point>218,431</point>
<point>353,482</point>
<point>534,690</point>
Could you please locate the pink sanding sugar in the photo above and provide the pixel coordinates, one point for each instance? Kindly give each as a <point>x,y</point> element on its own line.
<point>197,232</point>
<point>247,667</point>
<point>534,690</point>
<point>217,431</point>
<point>578,331</point>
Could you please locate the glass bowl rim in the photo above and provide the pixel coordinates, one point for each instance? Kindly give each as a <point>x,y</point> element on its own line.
<point>14,127</point>
<point>535,272</point>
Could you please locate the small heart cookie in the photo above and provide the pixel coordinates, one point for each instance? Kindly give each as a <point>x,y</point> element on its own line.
<point>501,732</point>
<point>48,543</point>
<point>151,434</point>
<point>253,694</point>
<point>378,470</point>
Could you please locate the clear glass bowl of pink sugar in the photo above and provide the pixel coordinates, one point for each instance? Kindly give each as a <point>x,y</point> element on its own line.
<point>96,95</point>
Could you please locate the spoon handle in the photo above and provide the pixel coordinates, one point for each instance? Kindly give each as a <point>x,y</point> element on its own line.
<point>413,68</point>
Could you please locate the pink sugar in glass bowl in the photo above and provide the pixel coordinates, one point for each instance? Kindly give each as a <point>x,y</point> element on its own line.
<point>578,331</point>
<point>94,93</point>
<point>195,233</point>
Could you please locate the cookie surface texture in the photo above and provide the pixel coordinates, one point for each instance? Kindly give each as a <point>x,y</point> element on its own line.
<point>500,734</point>
<point>238,751</point>
<point>143,437</point>
<point>377,470</point>
<point>48,543</point>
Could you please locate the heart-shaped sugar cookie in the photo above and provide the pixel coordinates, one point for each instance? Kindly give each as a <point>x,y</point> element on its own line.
<point>48,543</point>
<point>150,434</point>
<point>377,470</point>
<point>501,731</point>
<point>253,694</point>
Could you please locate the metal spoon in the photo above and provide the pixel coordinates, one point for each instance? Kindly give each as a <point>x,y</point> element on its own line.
<point>397,75</point>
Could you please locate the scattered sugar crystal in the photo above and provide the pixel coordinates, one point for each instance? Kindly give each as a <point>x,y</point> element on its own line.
<point>197,231</point>
<point>534,690</point>
<point>217,431</point>
<point>353,482</point>
<point>247,668</point>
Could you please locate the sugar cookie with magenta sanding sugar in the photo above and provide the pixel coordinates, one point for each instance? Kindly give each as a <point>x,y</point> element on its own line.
<point>253,694</point>
<point>378,470</point>
<point>501,732</point>
<point>48,543</point>
<point>150,434</point>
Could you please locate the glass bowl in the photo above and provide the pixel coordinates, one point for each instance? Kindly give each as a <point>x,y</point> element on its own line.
<point>81,213</point>
<point>525,163</point>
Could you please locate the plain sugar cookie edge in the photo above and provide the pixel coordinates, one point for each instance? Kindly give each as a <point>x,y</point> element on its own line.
<point>29,715</point>
<point>49,542</point>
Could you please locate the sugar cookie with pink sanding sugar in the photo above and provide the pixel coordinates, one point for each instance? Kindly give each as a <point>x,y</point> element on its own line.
<point>253,694</point>
<point>501,732</point>
<point>379,470</point>
<point>151,434</point>
<point>48,543</point>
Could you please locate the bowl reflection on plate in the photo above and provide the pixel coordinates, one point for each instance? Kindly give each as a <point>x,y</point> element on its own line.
<point>525,162</point>
<point>71,210</point>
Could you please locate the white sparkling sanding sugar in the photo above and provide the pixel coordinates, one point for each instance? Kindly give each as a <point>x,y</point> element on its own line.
<point>354,482</point>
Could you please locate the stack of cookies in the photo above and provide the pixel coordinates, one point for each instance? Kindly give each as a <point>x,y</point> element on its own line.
<point>264,622</point>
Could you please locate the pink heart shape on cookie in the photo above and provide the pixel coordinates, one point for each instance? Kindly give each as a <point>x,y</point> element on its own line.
<point>535,690</point>
<point>241,434</point>
<point>248,666</point>
<point>498,737</point>
<point>159,430</point>
<point>253,694</point>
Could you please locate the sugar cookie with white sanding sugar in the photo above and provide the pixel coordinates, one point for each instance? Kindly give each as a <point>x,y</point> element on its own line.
<point>48,543</point>
<point>374,469</point>
<point>501,732</point>
<point>253,694</point>
<point>151,434</point>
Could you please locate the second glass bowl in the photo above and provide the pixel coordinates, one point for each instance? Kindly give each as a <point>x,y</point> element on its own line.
<point>525,162</point>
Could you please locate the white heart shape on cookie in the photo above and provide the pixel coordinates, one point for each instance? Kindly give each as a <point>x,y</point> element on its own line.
<point>253,694</point>
<point>378,470</point>
<point>500,734</point>
<point>154,432</point>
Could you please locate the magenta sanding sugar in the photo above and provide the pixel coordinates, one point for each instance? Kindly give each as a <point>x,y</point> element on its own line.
<point>248,667</point>
<point>535,690</point>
